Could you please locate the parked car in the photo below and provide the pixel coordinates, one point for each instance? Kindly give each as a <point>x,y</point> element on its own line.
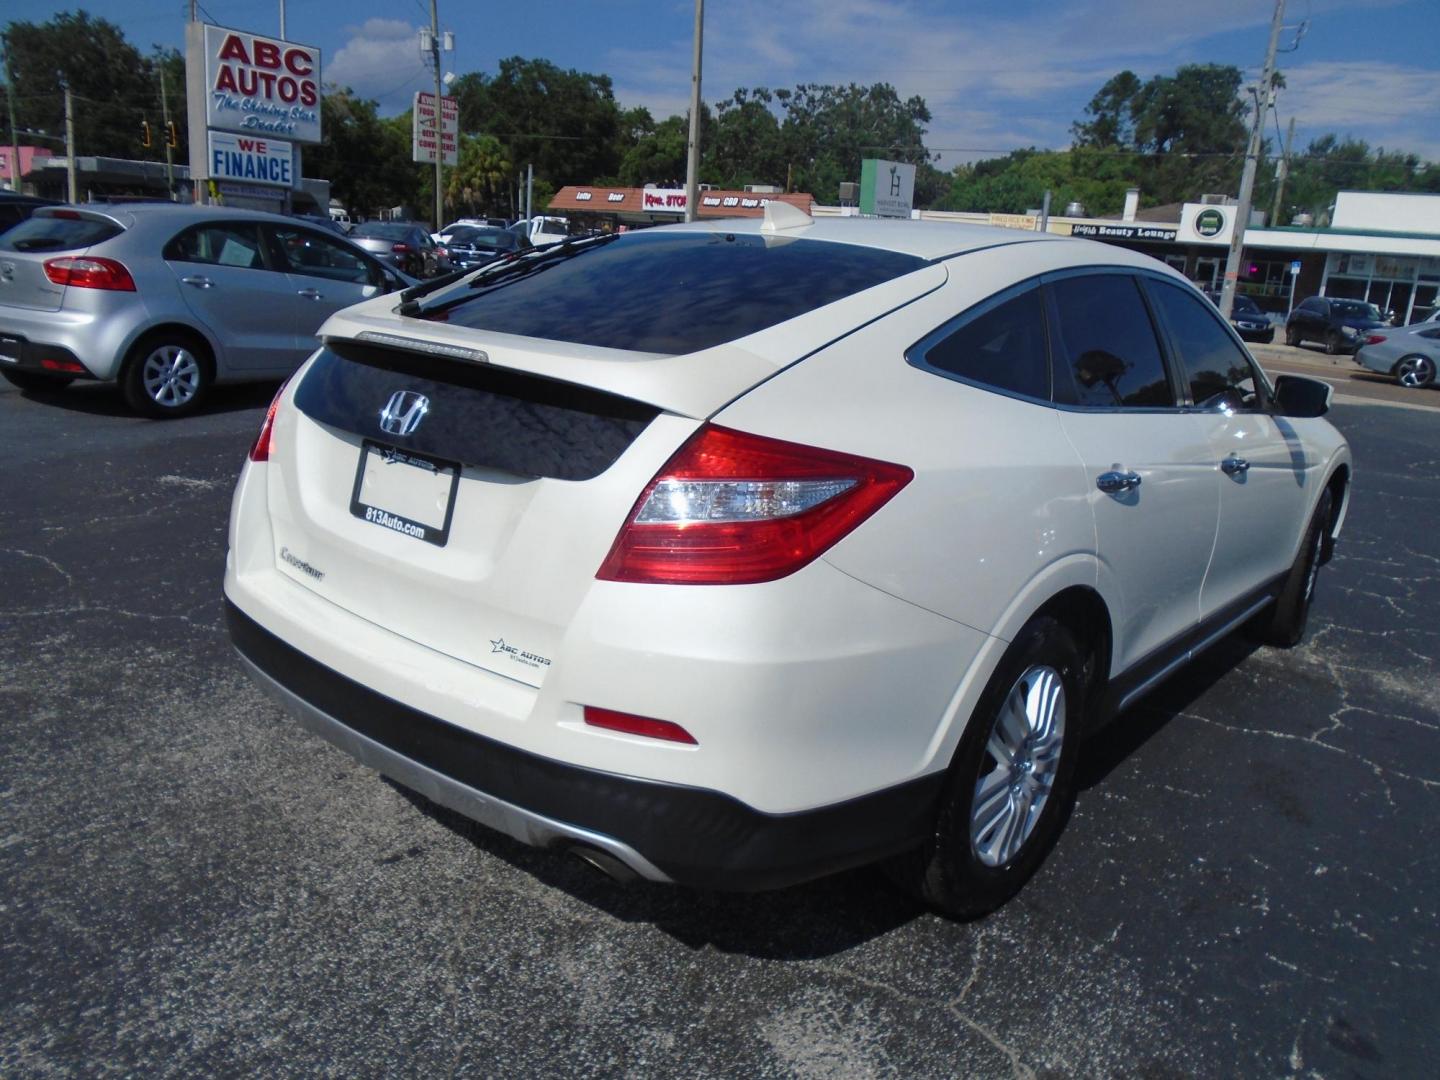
<point>1410,353</point>
<point>168,300</point>
<point>1338,324</point>
<point>326,222</point>
<point>443,236</point>
<point>404,245</point>
<point>830,557</point>
<point>471,246</point>
<point>1249,321</point>
<point>15,208</point>
<point>543,231</point>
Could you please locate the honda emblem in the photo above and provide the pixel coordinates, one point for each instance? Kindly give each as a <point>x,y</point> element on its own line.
<point>403,412</point>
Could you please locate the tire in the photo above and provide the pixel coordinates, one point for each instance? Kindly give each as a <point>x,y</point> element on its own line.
<point>1009,793</point>
<point>37,381</point>
<point>1413,371</point>
<point>1292,337</point>
<point>167,375</point>
<point>1283,623</point>
<point>1268,339</point>
<point>1333,345</point>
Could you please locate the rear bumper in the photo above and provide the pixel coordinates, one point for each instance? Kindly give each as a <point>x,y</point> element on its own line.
<point>21,354</point>
<point>661,831</point>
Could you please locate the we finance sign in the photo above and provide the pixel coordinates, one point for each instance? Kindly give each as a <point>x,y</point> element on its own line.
<point>260,161</point>
<point>261,86</point>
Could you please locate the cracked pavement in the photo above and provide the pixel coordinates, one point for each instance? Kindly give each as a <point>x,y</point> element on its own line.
<point>192,885</point>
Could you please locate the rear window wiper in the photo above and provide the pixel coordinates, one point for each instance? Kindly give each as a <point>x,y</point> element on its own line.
<point>522,265</point>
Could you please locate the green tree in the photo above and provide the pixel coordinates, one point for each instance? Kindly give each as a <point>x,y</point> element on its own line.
<point>479,183</point>
<point>745,145</point>
<point>564,122</point>
<point>114,87</point>
<point>366,159</point>
<point>828,130</point>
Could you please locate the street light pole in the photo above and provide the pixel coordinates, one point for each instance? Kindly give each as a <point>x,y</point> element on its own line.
<point>70,146</point>
<point>439,119</point>
<point>1263,102</point>
<point>692,157</point>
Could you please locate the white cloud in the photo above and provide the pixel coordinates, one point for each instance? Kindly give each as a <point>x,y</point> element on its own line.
<point>1384,104</point>
<point>380,59</point>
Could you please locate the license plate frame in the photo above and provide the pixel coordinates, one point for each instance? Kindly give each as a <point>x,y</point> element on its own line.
<point>391,520</point>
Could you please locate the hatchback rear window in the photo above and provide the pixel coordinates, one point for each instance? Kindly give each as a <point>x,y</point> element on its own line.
<point>676,292</point>
<point>46,233</point>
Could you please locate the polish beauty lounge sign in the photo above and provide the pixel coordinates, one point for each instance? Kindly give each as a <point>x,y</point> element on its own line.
<point>261,86</point>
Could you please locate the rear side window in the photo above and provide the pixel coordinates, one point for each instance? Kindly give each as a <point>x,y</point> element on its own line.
<point>1000,346</point>
<point>1216,369</point>
<point>675,292</point>
<point>236,245</point>
<point>46,233</point>
<point>1106,342</point>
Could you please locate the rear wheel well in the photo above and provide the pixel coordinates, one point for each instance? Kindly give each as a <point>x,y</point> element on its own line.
<point>171,332</point>
<point>1082,611</point>
<point>1339,487</point>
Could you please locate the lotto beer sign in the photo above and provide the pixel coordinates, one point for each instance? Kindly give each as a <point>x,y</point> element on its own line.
<point>424,129</point>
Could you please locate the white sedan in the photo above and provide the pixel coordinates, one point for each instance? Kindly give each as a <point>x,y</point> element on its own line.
<point>738,553</point>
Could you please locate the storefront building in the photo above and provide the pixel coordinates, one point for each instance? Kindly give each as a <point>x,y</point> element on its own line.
<point>616,207</point>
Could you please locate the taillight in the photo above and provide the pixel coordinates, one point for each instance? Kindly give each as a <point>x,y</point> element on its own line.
<point>89,272</point>
<point>261,450</point>
<point>400,249</point>
<point>1374,339</point>
<point>730,508</point>
<point>637,725</point>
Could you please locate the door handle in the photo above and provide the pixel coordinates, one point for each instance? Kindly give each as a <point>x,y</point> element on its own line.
<point>198,281</point>
<point>1235,466</point>
<point>1116,481</point>
<point>312,294</point>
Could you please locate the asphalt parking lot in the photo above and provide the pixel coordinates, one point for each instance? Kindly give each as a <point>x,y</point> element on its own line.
<point>190,885</point>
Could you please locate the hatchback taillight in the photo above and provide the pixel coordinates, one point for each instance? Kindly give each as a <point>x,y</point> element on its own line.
<point>730,508</point>
<point>1374,339</point>
<point>261,450</point>
<point>399,249</point>
<point>89,272</point>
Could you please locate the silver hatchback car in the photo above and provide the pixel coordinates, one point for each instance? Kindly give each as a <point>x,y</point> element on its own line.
<point>168,300</point>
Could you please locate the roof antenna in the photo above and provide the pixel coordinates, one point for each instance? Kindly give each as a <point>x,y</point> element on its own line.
<point>781,217</point>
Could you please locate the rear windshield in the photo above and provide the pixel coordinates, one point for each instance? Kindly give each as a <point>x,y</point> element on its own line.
<point>486,238</point>
<point>383,232</point>
<point>675,292</point>
<point>1355,309</point>
<point>46,233</point>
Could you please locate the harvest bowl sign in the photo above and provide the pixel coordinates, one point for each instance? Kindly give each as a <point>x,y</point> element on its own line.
<point>261,86</point>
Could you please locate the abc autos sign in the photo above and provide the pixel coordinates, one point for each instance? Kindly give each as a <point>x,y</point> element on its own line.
<point>261,86</point>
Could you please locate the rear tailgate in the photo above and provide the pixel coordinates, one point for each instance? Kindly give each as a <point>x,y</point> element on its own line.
<point>50,232</point>
<point>474,521</point>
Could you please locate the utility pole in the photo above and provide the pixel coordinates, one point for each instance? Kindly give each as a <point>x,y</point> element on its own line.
<point>530,190</point>
<point>14,139</point>
<point>1263,100</point>
<point>439,118</point>
<point>282,20</point>
<point>165,113</point>
<point>692,157</point>
<point>1282,171</point>
<point>70,145</point>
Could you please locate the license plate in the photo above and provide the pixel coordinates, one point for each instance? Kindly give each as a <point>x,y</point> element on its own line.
<point>405,492</point>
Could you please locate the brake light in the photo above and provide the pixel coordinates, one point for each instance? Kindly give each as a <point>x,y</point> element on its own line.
<point>637,725</point>
<point>1374,339</point>
<point>730,508</point>
<point>399,249</point>
<point>89,272</point>
<point>261,450</point>
<point>70,367</point>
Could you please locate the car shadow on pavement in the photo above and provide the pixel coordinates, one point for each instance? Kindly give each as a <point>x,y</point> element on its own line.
<point>837,913</point>
<point>104,399</point>
<point>1109,747</point>
<point>803,922</point>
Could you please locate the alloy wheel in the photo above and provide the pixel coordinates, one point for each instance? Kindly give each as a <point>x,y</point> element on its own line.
<point>1415,371</point>
<point>1022,754</point>
<point>171,376</point>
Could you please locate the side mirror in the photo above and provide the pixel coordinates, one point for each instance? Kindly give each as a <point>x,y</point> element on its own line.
<point>1301,397</point>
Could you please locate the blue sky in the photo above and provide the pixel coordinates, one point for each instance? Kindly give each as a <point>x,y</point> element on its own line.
<point>995,75</point>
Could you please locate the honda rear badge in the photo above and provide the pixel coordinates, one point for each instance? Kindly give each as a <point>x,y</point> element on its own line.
<point>403,412</point>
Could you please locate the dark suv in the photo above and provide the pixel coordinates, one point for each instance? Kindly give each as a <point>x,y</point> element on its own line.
<point>1340,325</point>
